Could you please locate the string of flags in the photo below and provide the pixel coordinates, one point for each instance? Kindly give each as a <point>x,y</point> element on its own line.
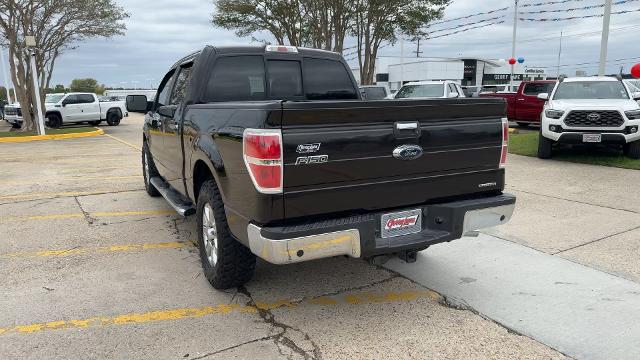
<point>577,8</point>
<point>469,24</point>
<point>579,17</point>
<point>468,16</point>
<point>548,3</point>
<point>467,29</point>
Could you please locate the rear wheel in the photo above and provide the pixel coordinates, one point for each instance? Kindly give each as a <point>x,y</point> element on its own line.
<point>226,262</point>
<point>545,147</point>
<point>16,125</point>
<point>632,149</point>
<point>54,121</point>
<point>148,171</point>
<point>113,119</point>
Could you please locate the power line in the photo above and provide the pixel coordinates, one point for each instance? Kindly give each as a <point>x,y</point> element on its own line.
<point>549,3</point>
<point>589,7</point>
<point>578,17</point>
<point>468,16</point>
<point>467,24</point>
<point>464,30</point>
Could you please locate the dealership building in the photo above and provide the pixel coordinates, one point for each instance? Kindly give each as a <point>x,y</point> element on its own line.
<point>393,72</point>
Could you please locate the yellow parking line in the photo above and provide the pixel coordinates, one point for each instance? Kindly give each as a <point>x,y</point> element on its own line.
<point>52,194</point>
<point>355,299</point>
<point>81,215</point>
<point>68,178</point>
<point>124,142</point>
<point>101,249</point>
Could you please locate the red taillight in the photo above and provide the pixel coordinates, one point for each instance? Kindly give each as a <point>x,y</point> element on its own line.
<point>262,151</point>
<point>505,143</point>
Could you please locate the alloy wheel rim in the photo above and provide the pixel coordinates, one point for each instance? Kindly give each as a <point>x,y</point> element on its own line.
<point>210,235</point>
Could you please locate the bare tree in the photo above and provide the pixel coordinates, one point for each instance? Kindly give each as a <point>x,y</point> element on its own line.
<point>58,25</point>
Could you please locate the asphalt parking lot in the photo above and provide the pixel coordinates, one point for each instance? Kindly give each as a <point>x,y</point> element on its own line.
<point>94,268</point>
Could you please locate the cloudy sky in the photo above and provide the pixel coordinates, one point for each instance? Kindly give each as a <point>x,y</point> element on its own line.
<point>161,31</point>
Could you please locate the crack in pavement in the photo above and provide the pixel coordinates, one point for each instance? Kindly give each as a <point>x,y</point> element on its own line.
<point>87,217</point>
<point>596,240</point>
<point>62,196</point>
<point>281,339</point>
<point>234,347</point>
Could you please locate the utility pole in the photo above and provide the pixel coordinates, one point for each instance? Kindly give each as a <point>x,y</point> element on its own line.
<point>604,44</point>
<point>559,54</point>
<point>513,44</point>
<point>401,62</point>
<point>30,42</point>
<point>4,74</point>
<point>418,52</point>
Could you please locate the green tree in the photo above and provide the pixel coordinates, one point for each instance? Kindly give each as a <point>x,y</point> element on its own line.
<point>59,88</point>
<point>325,23</point>
<point>84,85</point>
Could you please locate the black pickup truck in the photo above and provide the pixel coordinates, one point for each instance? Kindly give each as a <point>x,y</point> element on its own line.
<point>278,157</point>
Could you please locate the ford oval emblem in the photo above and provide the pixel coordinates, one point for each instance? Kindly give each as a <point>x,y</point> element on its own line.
<point>407,152</point>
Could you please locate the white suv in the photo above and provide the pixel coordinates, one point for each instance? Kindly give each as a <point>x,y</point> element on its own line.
<point>590,110</point>
<point>430,90</point>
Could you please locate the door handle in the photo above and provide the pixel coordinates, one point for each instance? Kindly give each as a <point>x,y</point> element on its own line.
<point>520,99</point>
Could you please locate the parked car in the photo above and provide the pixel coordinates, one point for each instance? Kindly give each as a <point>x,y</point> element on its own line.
<point>486,89</point>
<point>374,92</point>
<point>471,91</point>
<point>590,110</point>
<point>290,170</point>
<point>82,107</point>
<point>13,115</point>
<point>430,90</point>
<point>523,106</point>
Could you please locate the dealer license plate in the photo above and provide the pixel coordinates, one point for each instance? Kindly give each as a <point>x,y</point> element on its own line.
<point>591,138</point>
<point>401,223</point>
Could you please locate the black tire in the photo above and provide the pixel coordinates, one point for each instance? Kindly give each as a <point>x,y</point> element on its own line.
<point>523,124</point>
<point>234,264</point>
<point>16,126</point>
<point>545,147</point>
<point>148,171</point>
<point>113,119</point>
<point>95,123</point>
<point>54,121</point>
<point>632,149</point>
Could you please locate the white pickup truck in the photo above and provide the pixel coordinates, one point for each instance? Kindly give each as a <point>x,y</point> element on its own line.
<point>82,107</point>
<point>73,108</point>
<point>601,110</point>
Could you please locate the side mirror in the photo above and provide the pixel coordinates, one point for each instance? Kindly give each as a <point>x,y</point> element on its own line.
<point>636,95</point>
<point>454,94</point>
<point>137,103</point>
<point>64,102</point>
<point>543,96</point>
<point>167,110</point>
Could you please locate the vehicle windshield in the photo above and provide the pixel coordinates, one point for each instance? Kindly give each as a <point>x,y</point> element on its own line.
<point>634,85</point>
<point>53,98</point>
<point>421,91</point>
<point>590,90</point>
<point>373,93</point>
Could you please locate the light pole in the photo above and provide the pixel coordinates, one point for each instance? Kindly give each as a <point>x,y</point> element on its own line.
<point>604,43</point>
<point>124,84</point>
<point>513,43</point>
<point>4,74</point>
<point>150,83</point>
<point>559,55</point>
<point>30,42</point>
<point>133,83</point>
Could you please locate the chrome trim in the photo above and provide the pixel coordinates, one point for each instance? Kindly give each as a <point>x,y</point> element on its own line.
<point>487,217</point>
<point>406,126</point>
<point>287,251</point>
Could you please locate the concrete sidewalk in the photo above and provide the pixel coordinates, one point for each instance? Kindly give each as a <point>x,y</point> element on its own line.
<point>581,312</point>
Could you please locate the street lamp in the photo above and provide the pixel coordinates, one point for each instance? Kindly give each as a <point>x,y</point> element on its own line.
<point>30,42</point>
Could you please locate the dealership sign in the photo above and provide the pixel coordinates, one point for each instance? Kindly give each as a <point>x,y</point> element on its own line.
<point>535,71</point>
<point>501,77</point>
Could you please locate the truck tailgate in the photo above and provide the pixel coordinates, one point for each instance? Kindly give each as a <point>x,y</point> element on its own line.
<point>340,155</point>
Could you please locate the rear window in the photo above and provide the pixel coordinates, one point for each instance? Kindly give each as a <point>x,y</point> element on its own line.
<point>285,79</point>
<point>237,78</point>
<point>327,80</point>
<point>535,89</point>
<point>421,91</point>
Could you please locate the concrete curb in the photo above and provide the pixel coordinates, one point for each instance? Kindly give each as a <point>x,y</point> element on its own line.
<point>18,139</point>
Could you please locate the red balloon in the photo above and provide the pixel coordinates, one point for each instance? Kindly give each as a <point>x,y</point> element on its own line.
<point>512,61</point>
<point>635,71</point>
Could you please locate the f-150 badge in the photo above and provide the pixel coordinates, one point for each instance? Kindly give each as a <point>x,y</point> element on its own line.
<point>308,160</point>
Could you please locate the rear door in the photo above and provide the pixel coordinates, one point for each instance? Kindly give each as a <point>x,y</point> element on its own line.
<point>89,107</point>
<point>528,106</point>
